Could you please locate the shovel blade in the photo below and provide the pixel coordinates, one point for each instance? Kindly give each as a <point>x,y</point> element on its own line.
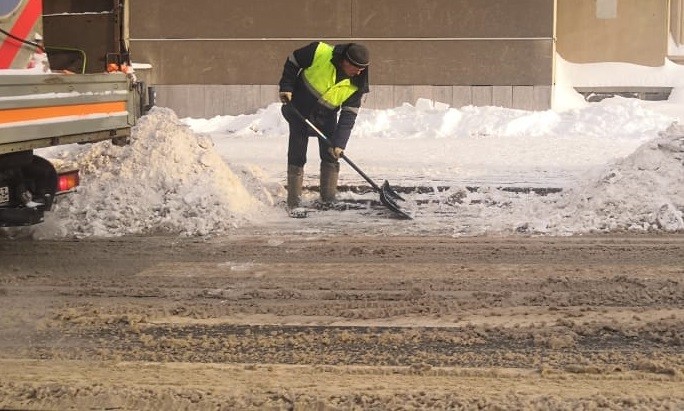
<point>389,191</point>
<point>388,198</point>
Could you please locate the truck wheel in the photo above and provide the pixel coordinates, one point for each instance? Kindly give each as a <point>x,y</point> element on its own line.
<point>40,178</point>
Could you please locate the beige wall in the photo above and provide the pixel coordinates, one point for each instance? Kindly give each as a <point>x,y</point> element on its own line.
<point>418,47</point>
<point>631,31</point>
<point>677,21</point>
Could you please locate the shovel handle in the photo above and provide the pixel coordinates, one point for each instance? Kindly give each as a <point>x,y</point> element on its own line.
<point>327,141</point>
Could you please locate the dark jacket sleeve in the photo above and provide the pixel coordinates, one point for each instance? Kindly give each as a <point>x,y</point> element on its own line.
<point>297,61</point>
<point>347,119</point>
<point>350,110</point>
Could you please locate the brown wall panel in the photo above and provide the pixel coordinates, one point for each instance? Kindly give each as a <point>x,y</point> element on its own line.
<point>210,56</point>
<point>452,18</point>
<point>240,18</point>
<point>467,62</point>
<point>341,18</point>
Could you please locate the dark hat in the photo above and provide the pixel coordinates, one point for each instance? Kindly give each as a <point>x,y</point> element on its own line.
<point>357,55</point>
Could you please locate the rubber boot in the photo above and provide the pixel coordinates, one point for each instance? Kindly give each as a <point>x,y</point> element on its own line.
<point>295,179</point>
<point>329,175</point>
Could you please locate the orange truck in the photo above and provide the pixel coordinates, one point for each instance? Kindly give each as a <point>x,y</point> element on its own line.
<point>64,79</point>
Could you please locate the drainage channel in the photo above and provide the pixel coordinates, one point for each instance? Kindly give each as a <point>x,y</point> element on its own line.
<point>364,189</point>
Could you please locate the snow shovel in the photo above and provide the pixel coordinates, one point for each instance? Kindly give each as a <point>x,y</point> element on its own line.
<point>387,194</point>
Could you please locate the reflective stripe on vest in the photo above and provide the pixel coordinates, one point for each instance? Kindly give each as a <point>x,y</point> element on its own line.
<point>320,79</point>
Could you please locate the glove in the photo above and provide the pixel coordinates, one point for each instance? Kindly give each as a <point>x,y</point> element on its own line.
<point>336,152</point>
<point>285,96</point>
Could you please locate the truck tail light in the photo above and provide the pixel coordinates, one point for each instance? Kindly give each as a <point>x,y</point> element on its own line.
<point>67,181</point>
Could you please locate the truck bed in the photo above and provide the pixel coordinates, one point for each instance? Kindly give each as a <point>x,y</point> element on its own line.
<point>52,109</point>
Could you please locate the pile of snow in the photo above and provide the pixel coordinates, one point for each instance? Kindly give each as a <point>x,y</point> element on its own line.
<point>627,118</point>
<point>168,180</point>
<point>266,121</point>
<point>624,117</point>
<point>642,192</point>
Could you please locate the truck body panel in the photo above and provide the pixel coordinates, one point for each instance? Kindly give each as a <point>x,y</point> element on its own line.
<point>45,110</point>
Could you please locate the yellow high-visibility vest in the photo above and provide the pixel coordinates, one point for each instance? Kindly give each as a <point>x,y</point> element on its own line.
<point>320,79</point>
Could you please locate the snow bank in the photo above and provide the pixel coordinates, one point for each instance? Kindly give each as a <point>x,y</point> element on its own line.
<point>627,118</point>
<point>642,192</point>
<point>168,180</point>
<point>265,121</point>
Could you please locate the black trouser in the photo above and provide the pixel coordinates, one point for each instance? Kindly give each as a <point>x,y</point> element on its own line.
<point>299,141</point>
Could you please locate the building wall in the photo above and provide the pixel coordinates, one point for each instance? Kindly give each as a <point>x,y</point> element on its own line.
<point>226,57</point>
<point>630,31</point>
<point>677,21</point>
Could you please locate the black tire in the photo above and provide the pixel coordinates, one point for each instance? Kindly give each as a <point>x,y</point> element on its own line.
<point>41,180</point>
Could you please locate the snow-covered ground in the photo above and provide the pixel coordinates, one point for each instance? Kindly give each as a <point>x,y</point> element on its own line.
<point>611,166</point>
